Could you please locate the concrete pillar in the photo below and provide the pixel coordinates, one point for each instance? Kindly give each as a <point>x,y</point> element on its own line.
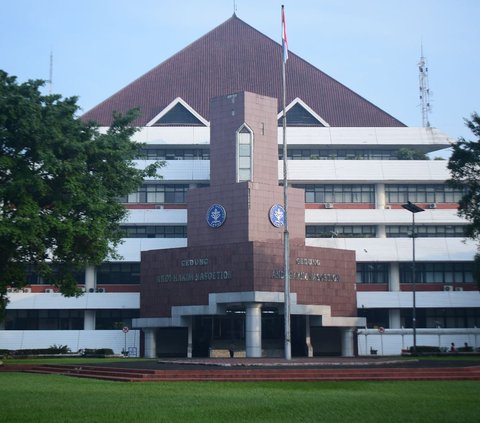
<point>394,318</point>
<point>394,277</point>
<point>89,320</point>
<point>150,343</point>
<point>380,196</point>
<point>189,338</point>
<point>381,231</point>
<point>90,278</point>
<point>253,330</point>
<point>308,339</point>
<point>347,342</point>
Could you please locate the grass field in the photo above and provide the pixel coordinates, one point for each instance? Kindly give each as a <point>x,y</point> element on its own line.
<point>54,398</point>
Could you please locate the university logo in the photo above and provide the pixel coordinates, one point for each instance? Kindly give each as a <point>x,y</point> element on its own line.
<point>216,215</point>
<point>277,215</point>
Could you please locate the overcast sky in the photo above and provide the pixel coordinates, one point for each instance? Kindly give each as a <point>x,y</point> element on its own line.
<point>371,46</point>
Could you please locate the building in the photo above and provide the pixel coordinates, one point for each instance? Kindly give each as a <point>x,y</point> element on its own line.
<point>344,152</point>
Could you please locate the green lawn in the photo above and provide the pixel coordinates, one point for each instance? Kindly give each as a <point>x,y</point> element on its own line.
<point>54,398</point>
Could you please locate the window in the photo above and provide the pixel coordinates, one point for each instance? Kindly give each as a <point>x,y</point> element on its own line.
<point>118,273</point>
<point>114,319</point>
<point>331,193</point>
<point>44,319</point>
<point>156,153</point>
<point>297,115</point>
<point>426,231</point>
<point>244,154</point>
<point>442,317</point>
<point>437,272</point>
<point>312,153</point>
<point>340,231</point>
<point>376,317</point>
<point>178,115</point>
<point>139,231</point>
<point>158,193</point>
<point>422,193</point>
<point>372,273</point>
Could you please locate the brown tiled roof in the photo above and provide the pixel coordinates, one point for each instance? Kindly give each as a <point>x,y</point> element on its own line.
<point>235,57</point>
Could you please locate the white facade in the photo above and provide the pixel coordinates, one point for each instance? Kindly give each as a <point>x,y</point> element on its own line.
<point>393,298</point>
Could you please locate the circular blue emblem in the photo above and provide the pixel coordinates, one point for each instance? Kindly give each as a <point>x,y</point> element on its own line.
<point>277,215</point>
<point>216,215</point>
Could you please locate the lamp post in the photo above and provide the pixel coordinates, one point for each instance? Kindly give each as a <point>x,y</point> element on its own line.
<point>413,208</point>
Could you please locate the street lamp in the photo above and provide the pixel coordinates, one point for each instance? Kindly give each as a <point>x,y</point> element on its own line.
<point>413,208</point>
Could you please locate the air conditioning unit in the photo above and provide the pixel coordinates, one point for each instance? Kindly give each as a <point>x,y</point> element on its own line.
<point>101,290</point>
<point>388,207</point>
<point>49,291</point>
<point>432,206</point>
<point>458,288</point>
<point>83,289</point>
<point>12,290</point>
<point>329,205</point>
<point>91,289</point>
<point>27,290</point>
<point>448,288</point>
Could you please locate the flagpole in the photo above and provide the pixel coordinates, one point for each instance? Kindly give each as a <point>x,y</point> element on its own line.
<point>286,252</point>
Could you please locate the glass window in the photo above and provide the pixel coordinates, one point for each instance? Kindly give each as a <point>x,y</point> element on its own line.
<point>158,193</point>
<point>139,231</point>
<point>244,160</point>
<point>118,273</point>
<point>372,273</point>
<point>437,272</point>
<point>339,193</point>
<point>426,231</point>
<point>422,193</point>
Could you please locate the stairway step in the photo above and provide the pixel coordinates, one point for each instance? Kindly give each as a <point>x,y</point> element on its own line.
<point>257,374</point>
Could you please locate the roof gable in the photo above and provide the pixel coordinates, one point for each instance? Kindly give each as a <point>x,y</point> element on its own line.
<point>235,57</point>
<point>300,114</point>
<point>178,113</point>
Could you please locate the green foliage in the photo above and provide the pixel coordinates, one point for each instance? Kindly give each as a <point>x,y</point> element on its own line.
<point>53,349</point>
<point>98,352</point>
<point>464,166</point>
<point>411,154</point>
<point>60,179</point>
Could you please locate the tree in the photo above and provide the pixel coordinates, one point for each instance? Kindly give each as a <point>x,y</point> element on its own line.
<point>411,154</point>
<point>60,179</point>
<point>464,166</point>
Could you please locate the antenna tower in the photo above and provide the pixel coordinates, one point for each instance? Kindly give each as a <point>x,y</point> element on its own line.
<point>424,90</point>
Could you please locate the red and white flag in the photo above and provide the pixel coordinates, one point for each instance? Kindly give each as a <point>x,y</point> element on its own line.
<point>284,37</point>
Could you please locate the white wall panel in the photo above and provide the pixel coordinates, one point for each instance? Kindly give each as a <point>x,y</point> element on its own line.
<point>366,171</point>
<point>437,299</point>
<point>131,248</point>
<point>431,138</point>
<point>188,135</point>
<point>400,249</point>
<point>180,170</point>
<point>392,341</point>
<point>157,216</point>
<point>74,339</point>
<point>380,216</point>
<point>94,301</point>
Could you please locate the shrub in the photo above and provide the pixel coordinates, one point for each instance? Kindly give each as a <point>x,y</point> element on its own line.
<point>99,352</point>
<point>426,349</point>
